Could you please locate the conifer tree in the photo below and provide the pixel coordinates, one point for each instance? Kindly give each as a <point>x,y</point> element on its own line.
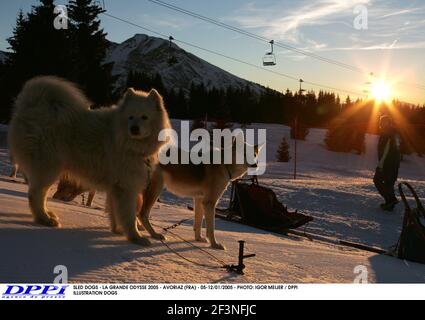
<point>36,48</point>
<point>283,151</point>
<point>43,50</point>
<point>88,51</point>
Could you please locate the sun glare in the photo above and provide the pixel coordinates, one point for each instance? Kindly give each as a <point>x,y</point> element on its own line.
<point>381,91</point>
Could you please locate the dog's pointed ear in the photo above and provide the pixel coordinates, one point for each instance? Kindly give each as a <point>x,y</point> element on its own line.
<point>131,92</point>
<point>155,96</point>
<point>128,94</point>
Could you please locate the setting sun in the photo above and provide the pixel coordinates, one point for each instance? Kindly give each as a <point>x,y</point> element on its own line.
<point>381,91</point>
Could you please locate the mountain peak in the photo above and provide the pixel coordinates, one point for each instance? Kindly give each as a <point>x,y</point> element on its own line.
<point>143,53</point>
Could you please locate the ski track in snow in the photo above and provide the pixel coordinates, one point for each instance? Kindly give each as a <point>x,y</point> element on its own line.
<point>336,189</point>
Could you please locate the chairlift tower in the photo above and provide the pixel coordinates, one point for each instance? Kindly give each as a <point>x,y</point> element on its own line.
<point>171,57</point>
<point>269,59</point>
<point>296,131</point>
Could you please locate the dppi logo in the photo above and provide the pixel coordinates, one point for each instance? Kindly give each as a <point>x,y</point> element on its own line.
<point>35,291</point>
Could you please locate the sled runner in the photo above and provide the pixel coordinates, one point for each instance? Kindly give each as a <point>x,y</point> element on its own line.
<point>411,245</point>
<point>259,207</point>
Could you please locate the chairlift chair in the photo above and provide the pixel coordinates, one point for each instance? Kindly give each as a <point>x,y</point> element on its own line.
<point>269,58</point>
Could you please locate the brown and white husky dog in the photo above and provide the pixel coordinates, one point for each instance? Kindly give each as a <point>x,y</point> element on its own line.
<point>205,183</point>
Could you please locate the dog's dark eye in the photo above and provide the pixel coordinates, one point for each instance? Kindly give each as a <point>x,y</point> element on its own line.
<point>130,118</point>
<point>144,118</point>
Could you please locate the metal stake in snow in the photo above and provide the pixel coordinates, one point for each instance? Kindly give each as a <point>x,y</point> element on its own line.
<point>240,266</point>
<point>230,267</point>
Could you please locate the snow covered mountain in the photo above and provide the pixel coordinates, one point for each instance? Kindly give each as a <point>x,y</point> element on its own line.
<point>150,55</point>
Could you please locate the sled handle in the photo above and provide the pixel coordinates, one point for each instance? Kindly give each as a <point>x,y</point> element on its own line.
<point>415,195</point>
<point>411,217</point>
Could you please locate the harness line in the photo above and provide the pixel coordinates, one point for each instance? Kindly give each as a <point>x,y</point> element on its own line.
<point>176,236</point>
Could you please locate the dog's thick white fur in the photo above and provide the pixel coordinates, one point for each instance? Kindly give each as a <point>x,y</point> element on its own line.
<point>52,131</point>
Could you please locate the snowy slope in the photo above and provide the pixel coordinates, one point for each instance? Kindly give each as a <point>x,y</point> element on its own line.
<point>334,188</point>
<point>337,188</point>
<point>92,254</point>
<point>150,55</point>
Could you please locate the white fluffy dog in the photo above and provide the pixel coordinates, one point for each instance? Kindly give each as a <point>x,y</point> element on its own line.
<point>53,131</point>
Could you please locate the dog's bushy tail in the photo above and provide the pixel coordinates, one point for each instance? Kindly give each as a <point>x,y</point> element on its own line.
<point>52,97</point>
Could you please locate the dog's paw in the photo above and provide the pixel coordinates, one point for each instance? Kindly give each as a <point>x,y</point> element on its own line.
<point>48,222</point>
<point>141,241</point>
<point>201,239</point>
<point>218,246</point>
<point>158,236</point>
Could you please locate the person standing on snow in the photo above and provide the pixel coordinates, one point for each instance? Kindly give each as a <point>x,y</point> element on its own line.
<point>389,156</point>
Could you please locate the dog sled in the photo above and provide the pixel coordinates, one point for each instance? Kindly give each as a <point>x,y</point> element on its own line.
<point>258,206</point>
<point>411,245</point>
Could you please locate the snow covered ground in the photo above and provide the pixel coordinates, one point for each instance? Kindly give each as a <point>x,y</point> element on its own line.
<point>335,188</point>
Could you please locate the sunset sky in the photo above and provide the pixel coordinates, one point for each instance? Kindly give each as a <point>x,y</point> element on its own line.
<point>393,46</point>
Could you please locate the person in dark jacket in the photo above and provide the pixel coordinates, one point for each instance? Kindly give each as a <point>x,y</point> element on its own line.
<point>389,156</point>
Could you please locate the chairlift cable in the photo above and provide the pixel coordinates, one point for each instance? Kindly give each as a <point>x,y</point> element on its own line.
<point>254,36</point>
<point>279,44</point>
<point>232,58</point>
<point>135,25</point>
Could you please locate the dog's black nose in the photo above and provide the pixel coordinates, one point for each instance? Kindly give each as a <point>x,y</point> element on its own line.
<point>135,130</point>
